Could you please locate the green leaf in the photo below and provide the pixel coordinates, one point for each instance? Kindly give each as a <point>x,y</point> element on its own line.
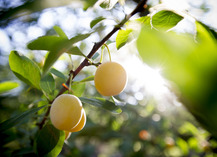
<point>165,19</point>
<point>103,103</point>
<point>88,3</point>
<point>16,120</point>
<point>75,51</point>
<point>78,89</point>
<point>50,141</point>
<point>58,73</point>
<point>47,84</point>
<point>60,48</point>
<point>145,21</point>
<point>89,78</point>
<point>7,85</point>
<point>122,37</point>
<point>25,69</point>
<point>49,43</point>
<point>60,32</point>
<point>108,4</point>
<point>95,21</point>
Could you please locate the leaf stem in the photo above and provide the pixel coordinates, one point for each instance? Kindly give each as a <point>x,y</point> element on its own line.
<point>139,8</point>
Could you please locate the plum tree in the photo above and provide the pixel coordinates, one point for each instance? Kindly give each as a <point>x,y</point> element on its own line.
<point>110,78</point>
<point>66,111</point>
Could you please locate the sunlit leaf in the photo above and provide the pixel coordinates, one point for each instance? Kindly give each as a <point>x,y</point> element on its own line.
<point>7,86</point>
<point>122,37</point>
<point>183,145</point>
<point>103,103</point>
<point>25,69</point>
<point>96,21</point>
<point>16,120</point>
<point>47,84</point>
<point>57,73</point>
<point>165,19</point>
<point>50,141</point>
<point>60,32</point>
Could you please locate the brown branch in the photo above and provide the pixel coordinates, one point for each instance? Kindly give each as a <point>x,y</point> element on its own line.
<point>140,7</point>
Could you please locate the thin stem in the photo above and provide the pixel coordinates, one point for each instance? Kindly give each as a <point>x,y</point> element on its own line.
<point>139,8</point>
<point>110,58</point>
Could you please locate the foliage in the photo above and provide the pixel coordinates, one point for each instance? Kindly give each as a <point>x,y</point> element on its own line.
<point>114,127</point>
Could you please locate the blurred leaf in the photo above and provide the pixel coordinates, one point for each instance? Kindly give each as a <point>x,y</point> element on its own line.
<point>183,145</point>
<point>7,85</point>
<point>58,73</point>
<point>95,56</point>
<point>16,120</point>
<point>89,78</point>
<point>50,141</point>
<point>60,32</point>
<point>47,84</point>
<point>100,102</point>
<point>108,4</point>
<point>187,128</point>
<point>191,66</point>
<point>122,37</point>
<point>145,21</point>
<point>165,19</point>
<point>202,28</point>
<point>49,43</point>
<point>95,21</point>
<point>25,69</point>
<point>75,51</point>
<point>89,3</point>
<point>78,89</point>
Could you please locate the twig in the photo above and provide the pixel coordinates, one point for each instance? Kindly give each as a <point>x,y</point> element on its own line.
<point>139,8</point>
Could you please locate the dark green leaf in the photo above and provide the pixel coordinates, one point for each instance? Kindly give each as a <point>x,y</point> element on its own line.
<point>57,73</point>
<point>100,102</point>
<point>49,43</point>
<point>165,19</point>
<point>75,51</point>
<point>122,37</point>
<point>95,21</point>
<point>60,32</point>
<point>47,84</point>
<point>7,85</point>
<point>25,69</point>
<point>60,48</point>
<point>16,120</point>
<point>50,141</point>
<point>78,89</point>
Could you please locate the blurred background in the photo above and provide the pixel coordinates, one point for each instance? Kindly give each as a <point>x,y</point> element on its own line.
<point>153,122</point>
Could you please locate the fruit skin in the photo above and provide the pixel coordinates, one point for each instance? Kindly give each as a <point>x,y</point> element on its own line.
<point>110,79</point>
<point>80,125</point>
<point>66,111</point>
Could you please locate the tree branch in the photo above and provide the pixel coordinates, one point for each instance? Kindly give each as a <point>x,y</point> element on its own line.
<point>139,8</point>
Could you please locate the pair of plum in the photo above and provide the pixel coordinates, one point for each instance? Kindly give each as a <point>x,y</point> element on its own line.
<point>67,112</point>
